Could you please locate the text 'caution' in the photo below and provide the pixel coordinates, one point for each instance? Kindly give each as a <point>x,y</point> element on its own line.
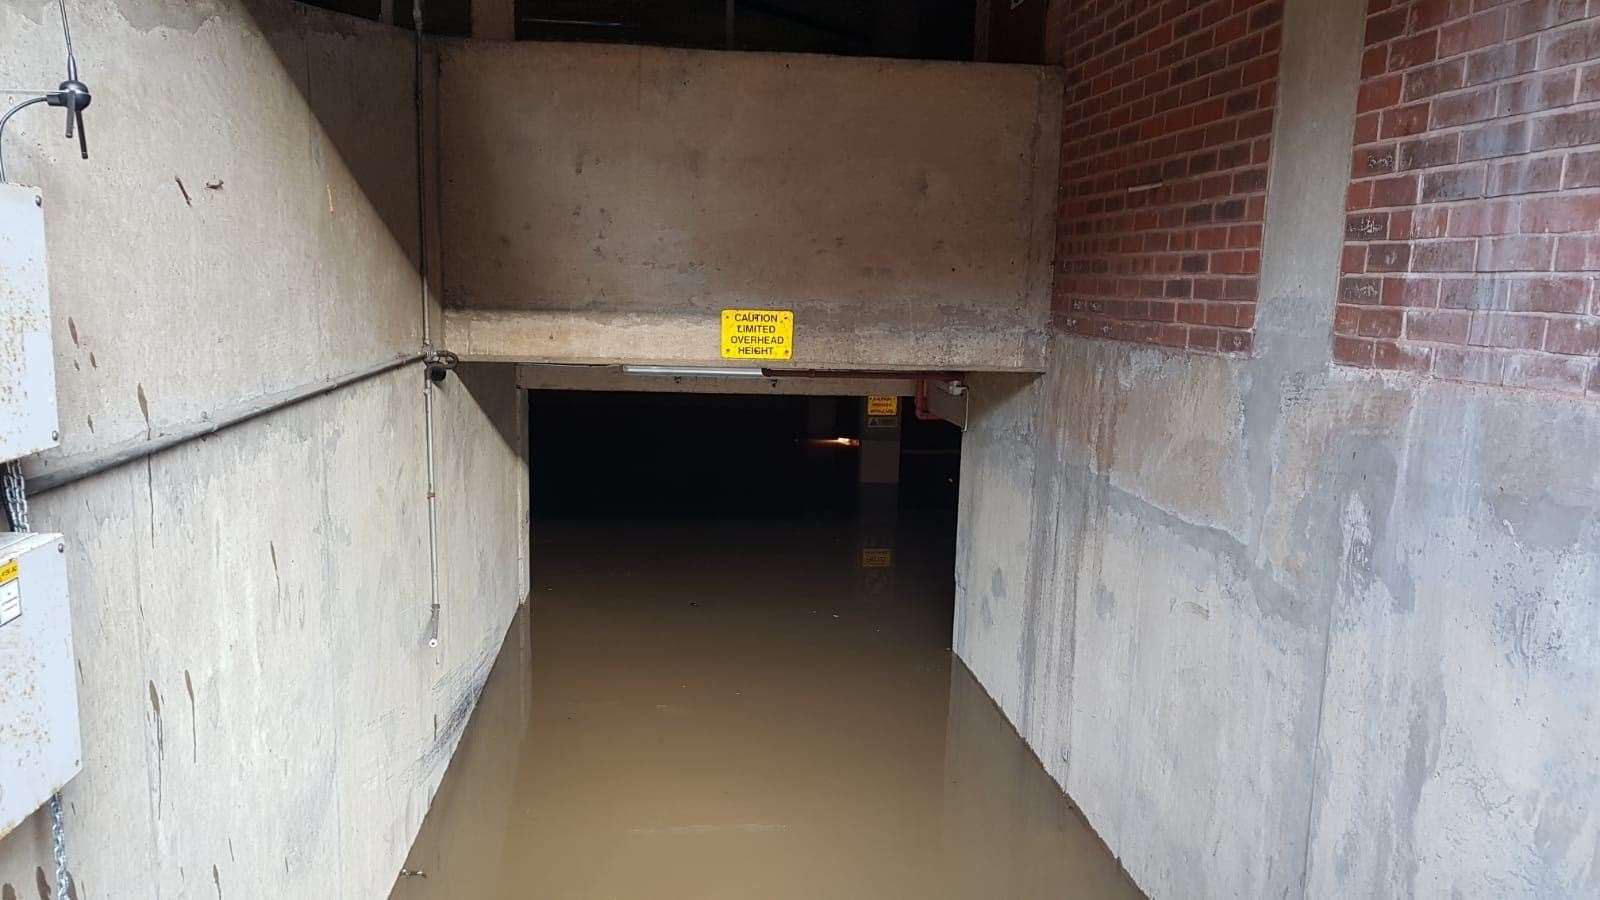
<point>10,592</point>
<point>757,334</point>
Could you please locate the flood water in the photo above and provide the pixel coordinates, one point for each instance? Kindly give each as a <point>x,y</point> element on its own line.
<point>745,710</point>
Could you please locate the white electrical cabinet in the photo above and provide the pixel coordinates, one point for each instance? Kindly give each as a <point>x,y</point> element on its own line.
<point>27,362</point>
<point>39,741</point>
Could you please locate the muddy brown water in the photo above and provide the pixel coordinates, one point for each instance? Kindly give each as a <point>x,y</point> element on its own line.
<point>745,710</point>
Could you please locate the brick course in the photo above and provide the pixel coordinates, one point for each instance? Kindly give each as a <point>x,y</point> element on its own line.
<point>1169,114</point>
<point>1472,239</point>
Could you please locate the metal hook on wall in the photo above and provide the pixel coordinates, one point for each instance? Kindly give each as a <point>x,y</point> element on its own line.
<point>72,95</point>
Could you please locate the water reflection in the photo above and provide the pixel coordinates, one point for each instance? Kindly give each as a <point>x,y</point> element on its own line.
<point>745,710</point>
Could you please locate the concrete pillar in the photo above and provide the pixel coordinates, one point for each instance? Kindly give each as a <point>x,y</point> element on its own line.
<point>879,499</point>
<point>880,440</point>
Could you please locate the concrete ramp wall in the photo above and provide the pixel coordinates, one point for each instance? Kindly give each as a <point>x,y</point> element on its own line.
<point>1289,629</point>
<point>603,204</point>
<point>262,712</point>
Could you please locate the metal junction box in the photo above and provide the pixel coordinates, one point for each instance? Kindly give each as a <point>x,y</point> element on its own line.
<point>39,740</point>
<point>27,363</point>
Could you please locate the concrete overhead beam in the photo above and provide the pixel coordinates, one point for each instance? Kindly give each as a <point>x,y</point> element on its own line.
<point>613,378</point>
<point>604,203</point>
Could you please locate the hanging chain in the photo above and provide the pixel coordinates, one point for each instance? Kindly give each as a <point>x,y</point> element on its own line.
<point>58,840</point>
<point>16,491</point>
<point>16,497</point>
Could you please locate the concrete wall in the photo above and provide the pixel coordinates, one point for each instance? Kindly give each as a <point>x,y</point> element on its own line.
<point>1288,629</point>
<point>262,714</point>
<point>603,203</point>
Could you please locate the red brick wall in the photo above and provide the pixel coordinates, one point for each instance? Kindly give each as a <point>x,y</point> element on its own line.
<point>1471,243</point>
<point>1169,113</point>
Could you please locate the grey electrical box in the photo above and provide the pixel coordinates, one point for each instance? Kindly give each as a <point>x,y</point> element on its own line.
<point>39,739</point>
<point>27,361</point>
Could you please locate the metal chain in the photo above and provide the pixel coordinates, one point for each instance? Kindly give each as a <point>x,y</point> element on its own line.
<point>58,840</point>
<point>16,497</point>
<point>16,491</point>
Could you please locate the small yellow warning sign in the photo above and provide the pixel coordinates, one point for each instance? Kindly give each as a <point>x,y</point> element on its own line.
<point>10,592</point>
<point>873,558</point>
<point>757,334</point>
<point>883,406</point>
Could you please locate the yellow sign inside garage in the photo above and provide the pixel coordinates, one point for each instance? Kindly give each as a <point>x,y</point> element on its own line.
<point>757,334</point>
<point>883,406</point>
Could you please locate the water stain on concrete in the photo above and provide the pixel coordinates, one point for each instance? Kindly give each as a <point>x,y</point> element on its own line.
<point>194,725</point>
<point>161,744</point>
<point>144,405</point>
<point>176,15</point>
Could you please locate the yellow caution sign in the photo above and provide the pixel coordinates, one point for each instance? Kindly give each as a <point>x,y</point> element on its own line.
<point>883,406</point>
<point>10,592</point>
<point>757,334</point>
<point>877,558</point>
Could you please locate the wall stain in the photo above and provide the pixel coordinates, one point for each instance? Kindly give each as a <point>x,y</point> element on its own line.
<point>194,725</point>
<point>1105,602</point>
<point>995,596</point>
<point>150,494</point>
<point>272,549</point>
<point>144,406</point>
<point>1429,706</point>
<point>177,15</point>
<point>1527,624</point>
<point>161,743</point>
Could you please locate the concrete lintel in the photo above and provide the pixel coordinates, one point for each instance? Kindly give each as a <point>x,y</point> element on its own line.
<point>690,339</point>
<point>904,210</point>
<point>611,378</point>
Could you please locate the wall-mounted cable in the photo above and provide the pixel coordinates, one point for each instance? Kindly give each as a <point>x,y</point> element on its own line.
<point>72,95</point>
<point>429,383</point>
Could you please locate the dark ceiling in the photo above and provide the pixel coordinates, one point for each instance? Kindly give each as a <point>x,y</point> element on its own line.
<point>913,29</point>
<point>920,29</point>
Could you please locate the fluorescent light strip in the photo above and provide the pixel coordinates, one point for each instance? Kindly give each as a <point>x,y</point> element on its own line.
<point>692,372</point>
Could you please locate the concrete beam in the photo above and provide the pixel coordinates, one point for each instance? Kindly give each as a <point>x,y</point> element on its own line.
<point>612,378</point>
<point>612,205</point>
